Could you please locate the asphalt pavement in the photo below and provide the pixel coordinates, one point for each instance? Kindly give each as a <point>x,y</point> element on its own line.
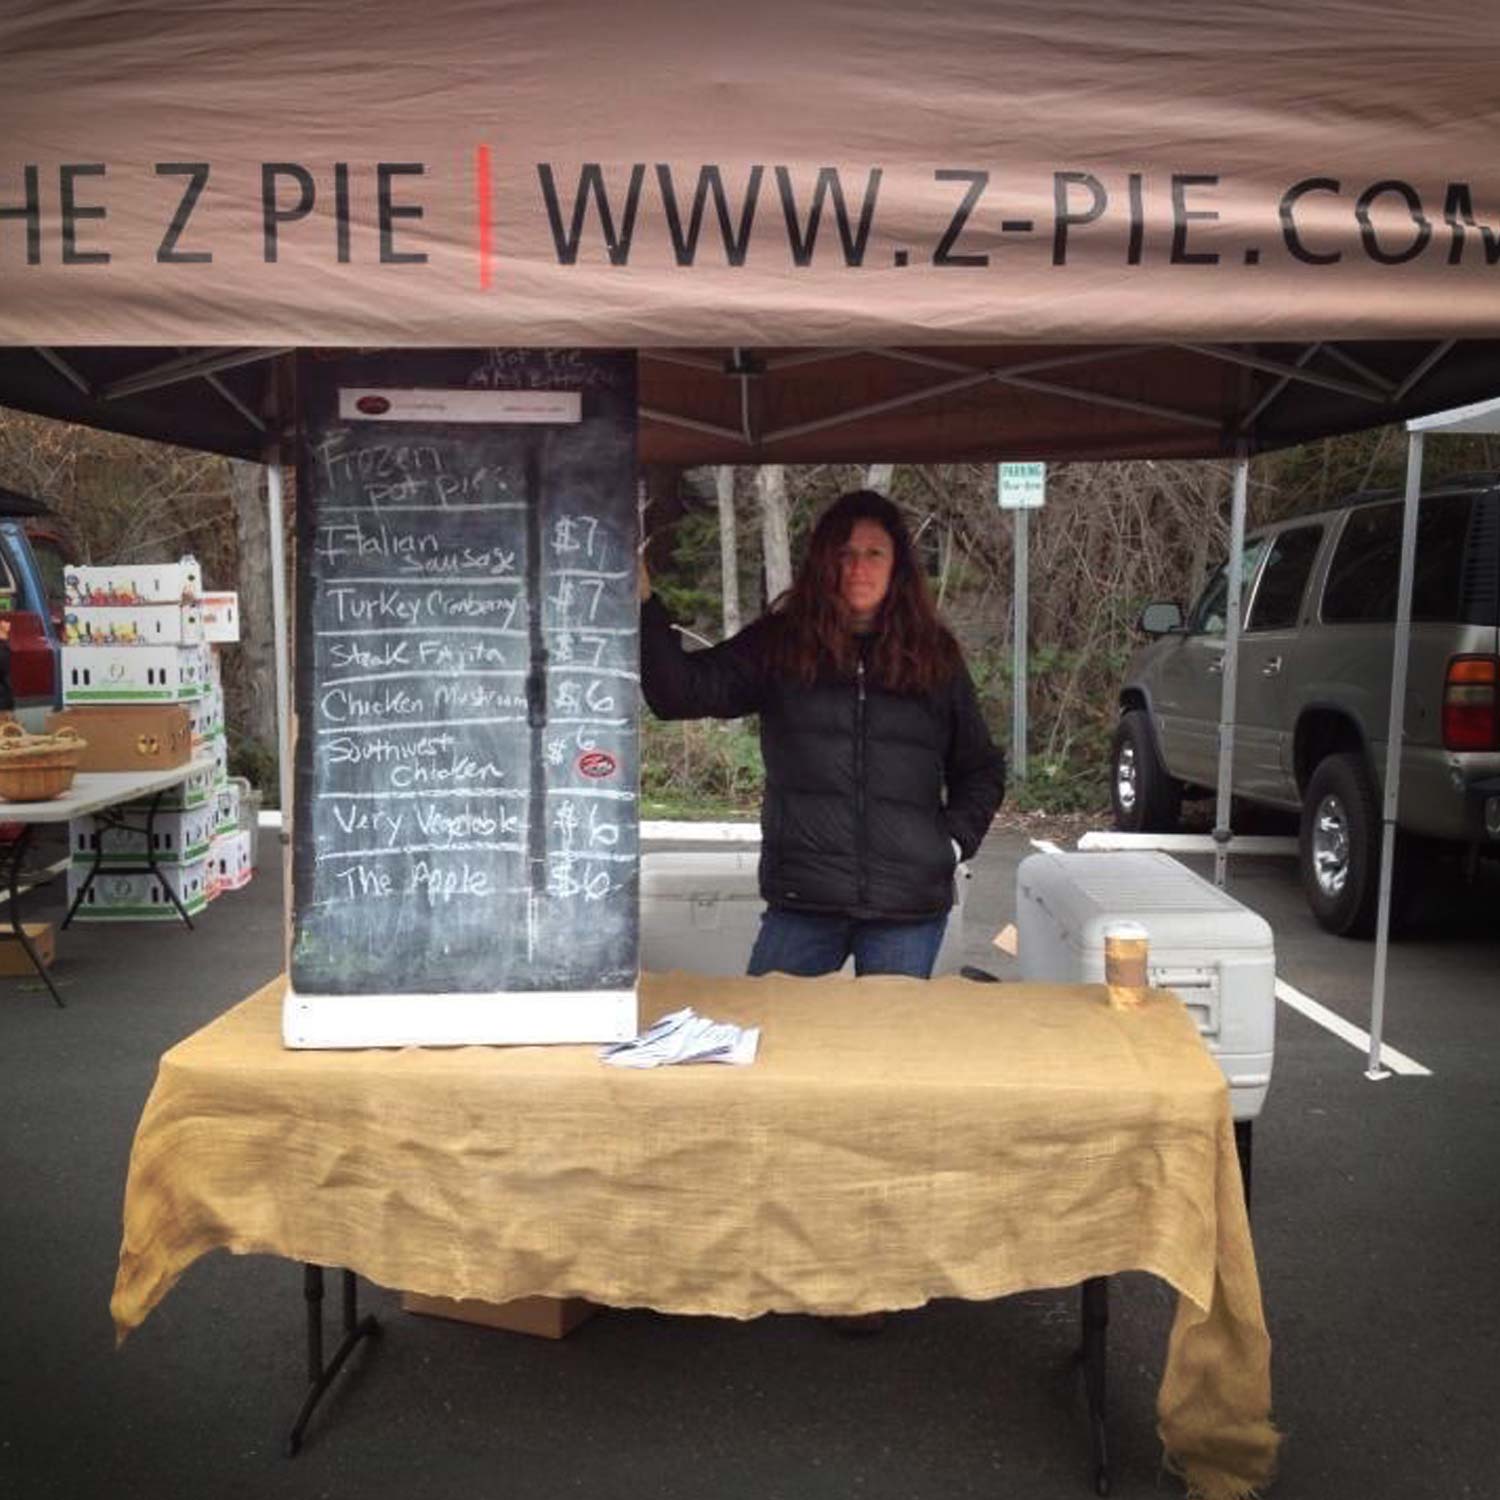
<point>1377,1222</point>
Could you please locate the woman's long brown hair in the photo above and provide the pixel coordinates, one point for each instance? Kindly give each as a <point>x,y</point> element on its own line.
<point>911,650</point>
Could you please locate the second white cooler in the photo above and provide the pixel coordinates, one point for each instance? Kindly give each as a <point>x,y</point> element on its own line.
<point>700,911</point>
<point>1212,951</point>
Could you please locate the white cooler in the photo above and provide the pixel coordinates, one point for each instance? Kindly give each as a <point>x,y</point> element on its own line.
<point>1213,952</point>
<point>700,912</point>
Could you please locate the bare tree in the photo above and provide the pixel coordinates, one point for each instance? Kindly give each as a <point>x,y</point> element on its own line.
<point>878,477</point>
<point>775,541</point>
<point>257,650</point>
<point>728,548</point>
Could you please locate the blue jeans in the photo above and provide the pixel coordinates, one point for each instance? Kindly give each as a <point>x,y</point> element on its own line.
<point>807,944</point>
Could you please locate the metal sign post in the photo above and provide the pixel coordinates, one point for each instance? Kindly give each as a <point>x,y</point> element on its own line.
<point>1230,665</point>
<point>1021,488</point>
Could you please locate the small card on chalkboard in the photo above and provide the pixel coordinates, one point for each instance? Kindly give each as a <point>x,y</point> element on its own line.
<point>466,829</point>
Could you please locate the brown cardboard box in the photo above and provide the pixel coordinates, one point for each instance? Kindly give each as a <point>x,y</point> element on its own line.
<point>13,959</point>
<point>129,736</point>
<point>542,1317</point>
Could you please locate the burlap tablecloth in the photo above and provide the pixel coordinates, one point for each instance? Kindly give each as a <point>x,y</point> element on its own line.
<point>895,1141</point>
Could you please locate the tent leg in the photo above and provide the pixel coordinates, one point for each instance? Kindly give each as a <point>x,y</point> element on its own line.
<point>280,607</point>
<point>1394,731</point>
<point>1234,570</point>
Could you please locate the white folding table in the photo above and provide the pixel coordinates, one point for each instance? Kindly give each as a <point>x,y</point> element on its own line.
<point>104,795</point>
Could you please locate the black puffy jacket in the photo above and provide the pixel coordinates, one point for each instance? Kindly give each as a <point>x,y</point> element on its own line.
<point>866,790</point>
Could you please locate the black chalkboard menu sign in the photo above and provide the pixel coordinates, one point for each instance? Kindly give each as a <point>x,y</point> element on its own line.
<point>465,833</point>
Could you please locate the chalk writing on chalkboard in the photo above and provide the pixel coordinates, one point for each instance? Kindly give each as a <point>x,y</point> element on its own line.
<point>466,830</point>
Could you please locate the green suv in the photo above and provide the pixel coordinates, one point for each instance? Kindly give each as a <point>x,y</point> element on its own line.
<point>1313,694</point>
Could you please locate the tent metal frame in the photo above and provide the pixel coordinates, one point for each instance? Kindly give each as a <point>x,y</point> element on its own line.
<point>745,367</point>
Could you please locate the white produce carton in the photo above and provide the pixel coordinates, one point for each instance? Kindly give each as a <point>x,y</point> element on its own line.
<point>221,617</point>
<point>208,664</point>
<point>133,625</point>
<point>131,674</point>
<point>139,898</point>
<point>227,808</point>
<point>177,838</point>
<point>229,863</point>
<point>206,718</point>
<point>129,584</point>
<point>196,791</point>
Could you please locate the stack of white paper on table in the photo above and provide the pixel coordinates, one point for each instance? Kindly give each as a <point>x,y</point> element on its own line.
<point>685,1037</point>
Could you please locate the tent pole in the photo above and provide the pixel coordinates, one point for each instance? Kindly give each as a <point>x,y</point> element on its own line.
<point>1394,730</point>
<point>280,605</point>
<point>1234,570</point>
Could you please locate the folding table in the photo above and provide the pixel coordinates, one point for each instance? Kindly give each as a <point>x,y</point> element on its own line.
<point>103,795</point>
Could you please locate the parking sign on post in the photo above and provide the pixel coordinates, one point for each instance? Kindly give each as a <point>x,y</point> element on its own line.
<point>1021,488</point>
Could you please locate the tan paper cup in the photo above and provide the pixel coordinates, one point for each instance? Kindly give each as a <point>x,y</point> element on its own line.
<point>1125,952</point>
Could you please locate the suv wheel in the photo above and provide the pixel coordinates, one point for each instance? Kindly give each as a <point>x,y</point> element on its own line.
<point>1145,798</point>
<point>1340,846</point>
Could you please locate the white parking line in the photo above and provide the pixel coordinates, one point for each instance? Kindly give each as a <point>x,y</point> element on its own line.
<point>1190,843</point>
<point>1320,1015</point>
<point>719,833</point>
<point>1046,846</point>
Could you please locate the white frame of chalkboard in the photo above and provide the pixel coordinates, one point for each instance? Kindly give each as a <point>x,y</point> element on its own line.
<point>476,994</point>
<point>525,1018</point>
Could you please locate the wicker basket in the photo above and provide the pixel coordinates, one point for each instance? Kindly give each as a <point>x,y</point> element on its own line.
<point>37,767</point>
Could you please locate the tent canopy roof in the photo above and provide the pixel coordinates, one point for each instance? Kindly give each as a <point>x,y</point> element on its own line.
<point>836,229</point>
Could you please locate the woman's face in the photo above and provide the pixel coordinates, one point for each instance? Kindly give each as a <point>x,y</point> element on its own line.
<point>865,563</point>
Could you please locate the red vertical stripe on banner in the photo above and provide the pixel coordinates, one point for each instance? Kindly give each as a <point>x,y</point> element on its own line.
<point>482,211</point>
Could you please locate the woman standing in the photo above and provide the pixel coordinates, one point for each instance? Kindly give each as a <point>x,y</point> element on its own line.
<point>880,772</point>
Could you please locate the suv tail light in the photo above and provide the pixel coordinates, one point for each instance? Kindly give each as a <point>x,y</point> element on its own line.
<point>1471,712</point>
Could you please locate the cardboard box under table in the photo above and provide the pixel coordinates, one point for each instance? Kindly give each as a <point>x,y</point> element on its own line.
<point>895,1141</point>
<point>15,960</point>
<point>540,1317</point>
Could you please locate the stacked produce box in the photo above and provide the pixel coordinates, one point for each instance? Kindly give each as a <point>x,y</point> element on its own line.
<point>142,684</point>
